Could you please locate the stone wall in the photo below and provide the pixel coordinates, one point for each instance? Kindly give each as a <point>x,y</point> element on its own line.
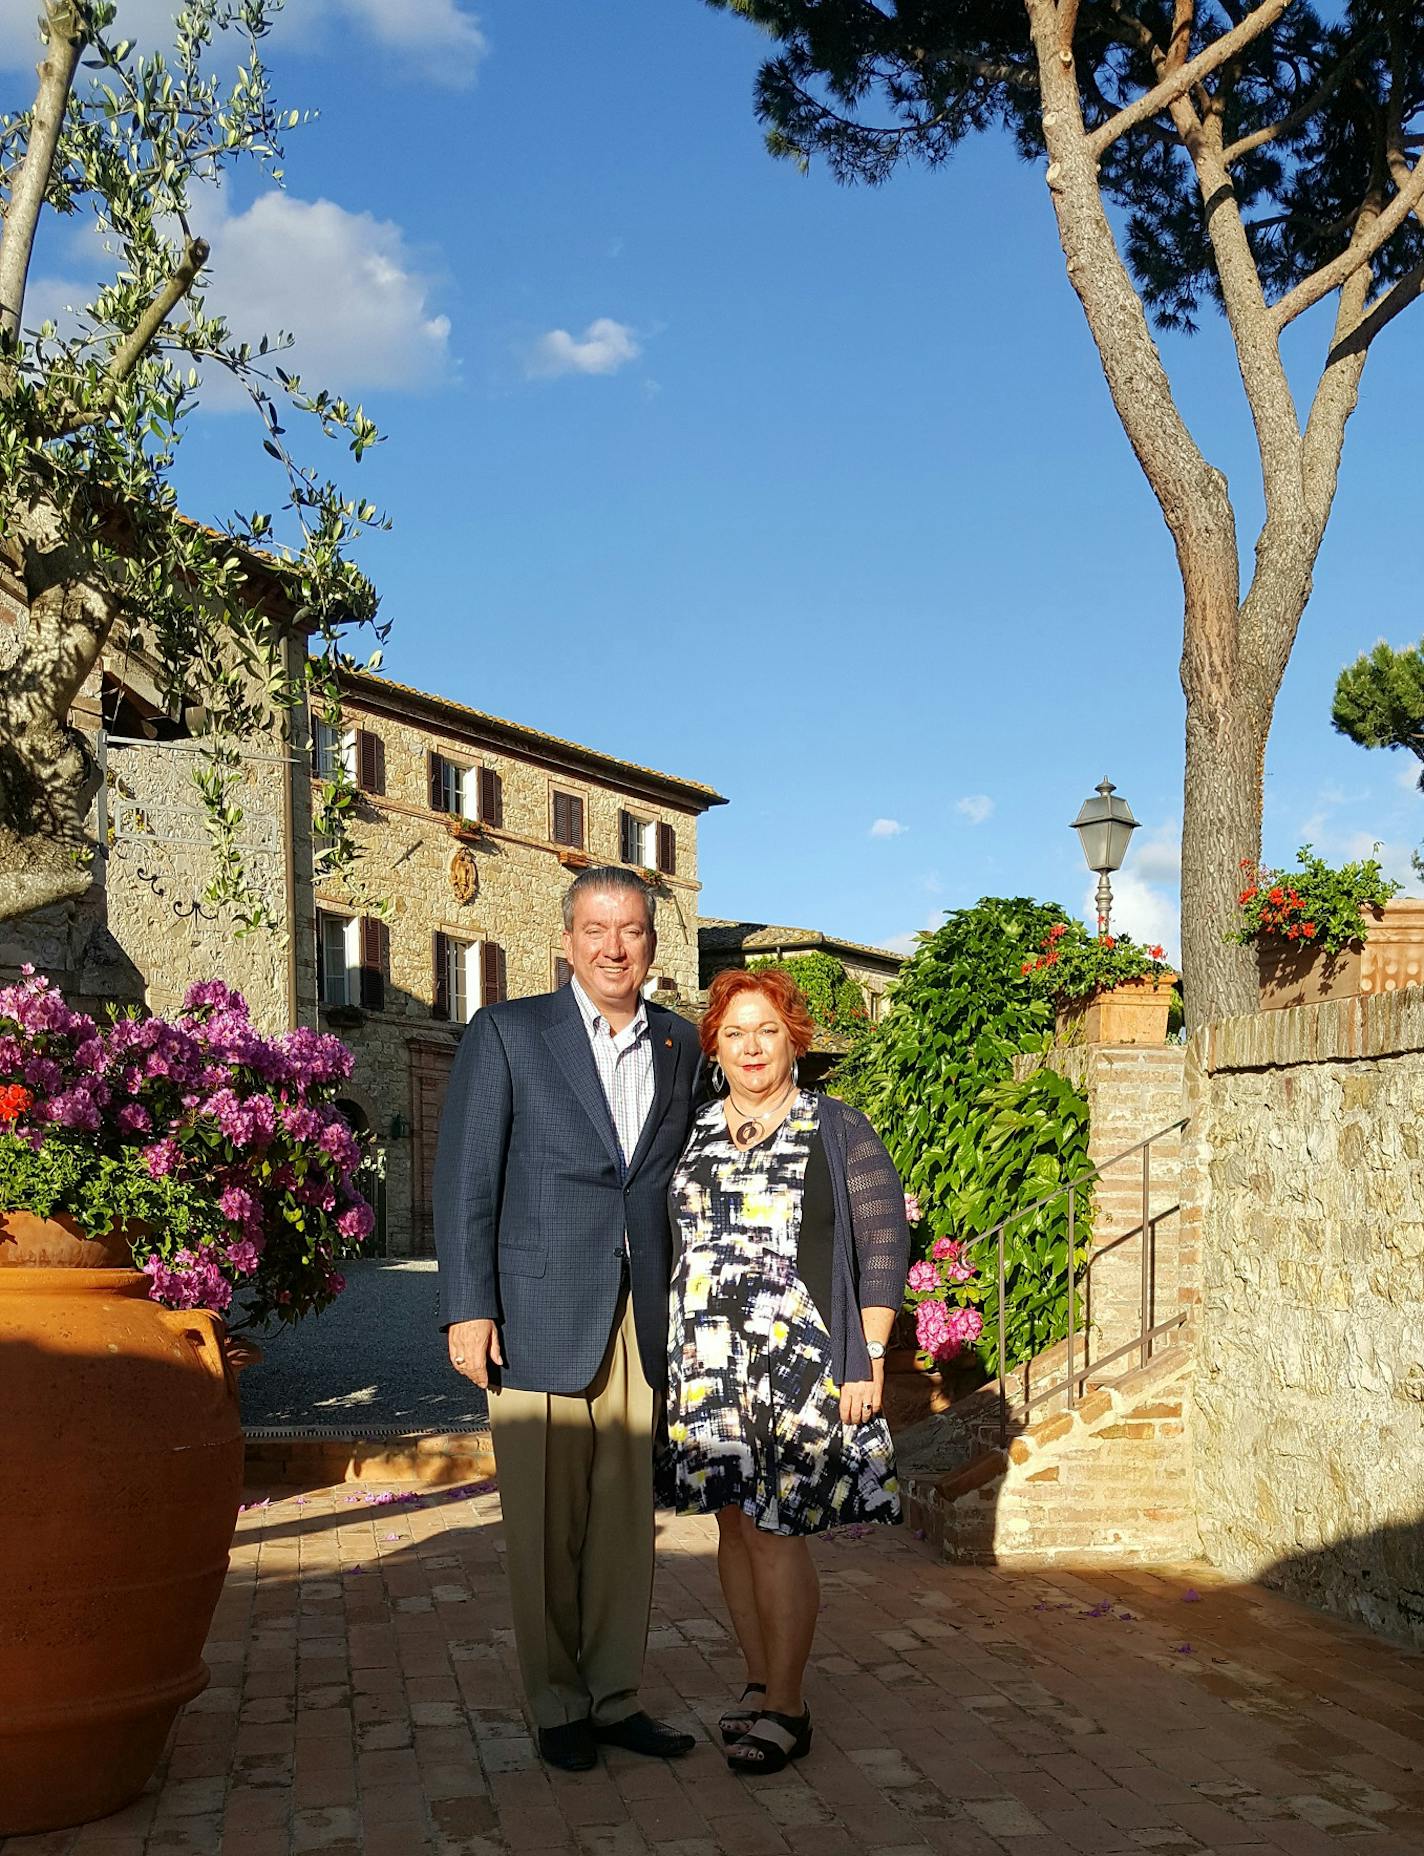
<point>1309,1444</point>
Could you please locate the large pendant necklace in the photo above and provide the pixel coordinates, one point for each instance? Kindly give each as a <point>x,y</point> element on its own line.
<point>753,1127</point>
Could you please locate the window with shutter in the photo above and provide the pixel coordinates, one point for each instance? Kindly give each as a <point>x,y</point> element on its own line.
<point>667,850</point>
<point>440,961</point>
<point>493,986</point>
<point>375,959</point>
<point>338,955</point>
<point>370,762</point>
<point>491,798</point>
<point>568,820</point>
<point>629,846</point>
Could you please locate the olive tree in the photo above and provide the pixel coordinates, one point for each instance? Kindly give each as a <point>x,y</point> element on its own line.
<point>1259,160</point>
<point>92,415</point>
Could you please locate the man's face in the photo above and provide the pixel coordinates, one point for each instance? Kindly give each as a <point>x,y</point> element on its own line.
<point>610,946</point>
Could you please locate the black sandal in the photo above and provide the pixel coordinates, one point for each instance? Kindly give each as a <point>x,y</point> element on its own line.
<point>771,1743</point>
<point>736,1721</point>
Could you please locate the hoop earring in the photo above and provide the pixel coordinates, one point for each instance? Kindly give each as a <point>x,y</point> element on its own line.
<point>796,1072</point>
<point>719,1079</point>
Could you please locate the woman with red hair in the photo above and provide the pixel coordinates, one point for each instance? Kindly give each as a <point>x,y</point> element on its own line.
<point>792,1255</point>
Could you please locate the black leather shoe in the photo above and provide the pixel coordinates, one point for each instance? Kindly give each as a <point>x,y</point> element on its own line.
<point>572,1747</point>
<point>640,1733</point>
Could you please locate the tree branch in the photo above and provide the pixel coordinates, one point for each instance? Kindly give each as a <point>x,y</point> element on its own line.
<point>1184,77</point>
<point>1357,253</point>
<point>1303,111</point>
<point>136,343</point>
<point>64,33</point>
<point>1067,23</point>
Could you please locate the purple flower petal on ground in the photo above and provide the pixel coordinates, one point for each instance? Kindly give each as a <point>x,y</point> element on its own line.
<point>1191,1596</point>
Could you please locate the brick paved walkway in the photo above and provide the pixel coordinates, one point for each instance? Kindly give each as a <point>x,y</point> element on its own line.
<point>364,1700</point>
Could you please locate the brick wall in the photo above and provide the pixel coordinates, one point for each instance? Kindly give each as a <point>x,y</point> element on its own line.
<point>1133,1091</point>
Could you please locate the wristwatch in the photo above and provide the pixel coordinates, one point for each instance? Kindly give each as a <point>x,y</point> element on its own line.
<point>876,1349</point>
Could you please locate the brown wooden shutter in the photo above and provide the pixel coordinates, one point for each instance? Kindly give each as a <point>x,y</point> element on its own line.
<point>491,798</point>
<point>435,782</point>
<point>375,958</point>
<point>667,850</point>
<point>575,821</point>
<point>492,974</point>
<point>370,762</point>
<point>315,743</point>
<point>320,960</point>
<point>563,972</point>
<point>628,838</point>
<point>440,956</point>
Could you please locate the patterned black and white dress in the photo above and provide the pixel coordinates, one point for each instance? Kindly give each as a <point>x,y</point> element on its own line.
<point>753,1410</point>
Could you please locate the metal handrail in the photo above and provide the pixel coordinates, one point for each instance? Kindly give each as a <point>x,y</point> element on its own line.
<point>1148,1331</point>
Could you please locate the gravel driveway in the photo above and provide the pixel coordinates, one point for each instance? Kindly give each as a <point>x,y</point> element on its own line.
<point>374,1359</point>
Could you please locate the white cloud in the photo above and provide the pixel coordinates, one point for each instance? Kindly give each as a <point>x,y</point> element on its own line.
<point>442,37</point>
<point>1407,777</point>
<point>888,828</point>
<point>1155,853</point>
<point>344,285</point>
<point>976,807</point>
<point>603,348</point>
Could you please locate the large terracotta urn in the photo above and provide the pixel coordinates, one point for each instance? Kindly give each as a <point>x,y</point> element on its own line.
<point>122,1476</point>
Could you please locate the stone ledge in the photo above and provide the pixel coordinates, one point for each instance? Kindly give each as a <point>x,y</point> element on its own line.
<point>319,1461</point>
<point>1388,1024</point>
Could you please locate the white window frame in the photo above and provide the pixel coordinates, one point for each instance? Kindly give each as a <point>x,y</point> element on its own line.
<point>335,747</point>
<point>459,788</point>
<point>340,933</point>
<point>462,978</point>
<point>648,841</point>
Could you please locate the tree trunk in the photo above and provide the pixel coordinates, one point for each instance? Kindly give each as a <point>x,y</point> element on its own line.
<point>1229,704</point>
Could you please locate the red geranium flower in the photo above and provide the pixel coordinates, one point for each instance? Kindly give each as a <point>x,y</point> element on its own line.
<point>14,1100</point>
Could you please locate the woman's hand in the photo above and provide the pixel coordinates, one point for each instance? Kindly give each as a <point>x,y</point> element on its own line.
<point>861,1398</point>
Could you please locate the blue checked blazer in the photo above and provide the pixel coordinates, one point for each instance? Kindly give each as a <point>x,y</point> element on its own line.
<point>532,1197</point>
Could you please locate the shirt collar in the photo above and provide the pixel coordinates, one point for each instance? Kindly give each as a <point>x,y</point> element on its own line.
<point>595,1021</point>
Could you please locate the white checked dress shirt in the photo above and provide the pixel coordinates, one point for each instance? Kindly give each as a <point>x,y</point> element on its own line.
<point>624,1061</point>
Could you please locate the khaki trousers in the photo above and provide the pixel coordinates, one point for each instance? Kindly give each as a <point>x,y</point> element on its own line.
<point>576,1487</point>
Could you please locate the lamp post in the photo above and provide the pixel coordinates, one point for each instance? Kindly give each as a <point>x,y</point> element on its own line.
<point>1104,826</point>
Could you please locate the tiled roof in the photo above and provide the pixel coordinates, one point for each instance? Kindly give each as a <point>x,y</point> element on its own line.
<point>718,936</point>
<point>402,695</point>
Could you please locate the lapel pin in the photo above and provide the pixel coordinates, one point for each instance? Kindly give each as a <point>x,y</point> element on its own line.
<point>668,1042</point>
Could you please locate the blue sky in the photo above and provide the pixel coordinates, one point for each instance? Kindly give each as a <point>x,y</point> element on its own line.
<point>814,494</point>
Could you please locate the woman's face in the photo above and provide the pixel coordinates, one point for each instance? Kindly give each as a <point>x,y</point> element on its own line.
<point>754,1048</point>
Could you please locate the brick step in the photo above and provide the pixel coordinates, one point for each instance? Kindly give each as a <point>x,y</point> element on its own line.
<point>1106,1481</point>
<point>317,1456</point>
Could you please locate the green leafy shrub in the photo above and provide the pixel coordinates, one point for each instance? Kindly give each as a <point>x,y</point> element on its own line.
<point>970,1143</point>
<point>832,996</point>
<point>1317,905</point>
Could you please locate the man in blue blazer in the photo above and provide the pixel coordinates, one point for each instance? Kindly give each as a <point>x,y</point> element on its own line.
<point>565,1117</point>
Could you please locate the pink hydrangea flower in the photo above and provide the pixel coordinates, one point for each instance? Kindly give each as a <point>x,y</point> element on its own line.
<point>923,1276</point>
<point>912,1208</point>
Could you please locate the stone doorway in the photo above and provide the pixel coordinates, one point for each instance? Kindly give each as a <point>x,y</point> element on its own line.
<point>370,1178</point>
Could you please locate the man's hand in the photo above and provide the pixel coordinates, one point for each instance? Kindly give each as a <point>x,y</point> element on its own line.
<point>474,1345</point>
<point>860,1398</point>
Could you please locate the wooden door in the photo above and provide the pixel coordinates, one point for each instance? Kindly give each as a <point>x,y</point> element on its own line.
<point>429,1078</point>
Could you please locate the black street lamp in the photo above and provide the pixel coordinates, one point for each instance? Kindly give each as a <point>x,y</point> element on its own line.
<point>1104,826</point>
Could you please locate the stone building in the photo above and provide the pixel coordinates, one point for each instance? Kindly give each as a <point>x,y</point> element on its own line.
<point>735,944</point>
<point>470,830</point>
<point>143,931</point>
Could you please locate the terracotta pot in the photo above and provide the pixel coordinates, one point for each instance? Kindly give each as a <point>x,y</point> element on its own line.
<point>123,1472</point>
<point>1392,955</point>
<point>1133,1013</point>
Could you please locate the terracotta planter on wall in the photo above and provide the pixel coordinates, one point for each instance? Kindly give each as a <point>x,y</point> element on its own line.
<point>1133,1013</point>
<point>123,1472</point>
<point>1392,956</point>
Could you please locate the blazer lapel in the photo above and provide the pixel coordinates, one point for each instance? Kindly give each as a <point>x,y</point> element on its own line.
<point>666,1057</point>
<point>567,1038</point>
